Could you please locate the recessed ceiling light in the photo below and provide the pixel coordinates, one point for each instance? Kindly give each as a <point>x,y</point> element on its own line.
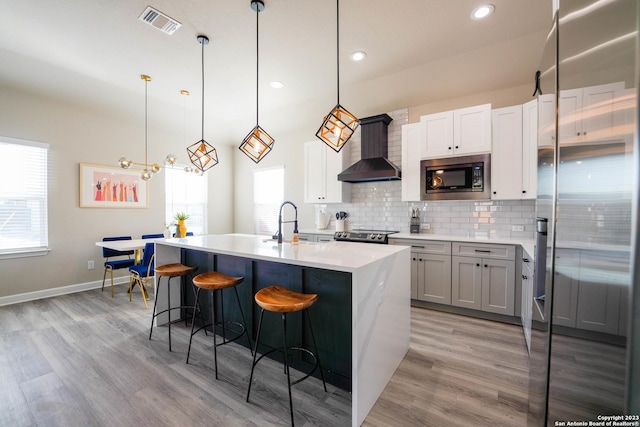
<point>482,12</point>
<point>276,85</point>
<point>358,56</point>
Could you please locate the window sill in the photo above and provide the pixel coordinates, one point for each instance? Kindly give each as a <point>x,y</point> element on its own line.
<point>25,253</point>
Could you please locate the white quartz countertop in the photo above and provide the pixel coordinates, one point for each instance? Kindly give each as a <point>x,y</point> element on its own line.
<point>326,231</point>
<point>340,256</point>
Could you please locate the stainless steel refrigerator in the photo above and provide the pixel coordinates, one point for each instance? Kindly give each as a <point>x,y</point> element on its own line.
<point>586,317</point>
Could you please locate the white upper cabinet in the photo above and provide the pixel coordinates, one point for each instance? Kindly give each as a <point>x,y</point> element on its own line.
<point>472,130</point>
<point>546,120</point>
<point>436,134</point>
<point>506,156</point>
<point>529,149</point>
<point>587,114</point>
<point>411,162</point>
<point>321,168</point>
<point>456,133</point>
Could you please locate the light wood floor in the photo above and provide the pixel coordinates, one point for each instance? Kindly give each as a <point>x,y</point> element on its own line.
<point>85,360</point>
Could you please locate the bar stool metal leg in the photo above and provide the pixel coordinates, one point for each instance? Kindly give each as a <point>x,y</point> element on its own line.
<point>286,362</point>
<point>193,324</point>
<point>213,321</point>
<point>255,353</point>
<point>155,304</point>
<point>315,348</point>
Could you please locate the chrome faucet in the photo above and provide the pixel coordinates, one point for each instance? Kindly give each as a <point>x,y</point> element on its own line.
<point>280,221</point>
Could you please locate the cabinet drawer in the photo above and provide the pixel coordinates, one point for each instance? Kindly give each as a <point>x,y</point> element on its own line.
<point>484,250</point>
<point>426,246</point>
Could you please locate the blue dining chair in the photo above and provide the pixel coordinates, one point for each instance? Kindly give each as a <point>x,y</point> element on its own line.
<point>115,264</point>
<point>141,274</point>
<point>153,236</point>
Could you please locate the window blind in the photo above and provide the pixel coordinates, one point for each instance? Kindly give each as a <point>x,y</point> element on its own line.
<point>23,196</point>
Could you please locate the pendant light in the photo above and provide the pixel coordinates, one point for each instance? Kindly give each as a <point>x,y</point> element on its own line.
<point>339,125</point>
<point>202,154</point>
<point>148,170</point>
<point>258,143</point>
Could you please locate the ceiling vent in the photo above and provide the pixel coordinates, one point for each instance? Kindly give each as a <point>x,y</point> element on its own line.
<point>159,20</point>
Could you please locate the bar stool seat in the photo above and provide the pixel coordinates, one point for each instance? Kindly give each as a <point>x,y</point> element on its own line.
<point>214,281</point>
<point>170,271</point>
<point>281,300</point>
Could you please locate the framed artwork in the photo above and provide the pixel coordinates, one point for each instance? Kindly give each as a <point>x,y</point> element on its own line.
<point>111,187</point>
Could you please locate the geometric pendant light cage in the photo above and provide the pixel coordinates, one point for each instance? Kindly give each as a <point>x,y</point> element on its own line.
<point>258,143</point>
<point>202,154</point>
<point>339,125</point>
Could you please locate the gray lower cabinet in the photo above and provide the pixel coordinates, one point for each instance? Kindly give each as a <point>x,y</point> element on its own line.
<point>602,277</point>
<point>430,269</point>
<point>526,314</point>
<point>565,288</point>
<point>433,277</point>
<point>486,281</point>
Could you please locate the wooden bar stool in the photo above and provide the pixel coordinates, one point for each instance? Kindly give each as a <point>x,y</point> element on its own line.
<point>170,271</point>
<point>214,281</point>
<point>281,300</point>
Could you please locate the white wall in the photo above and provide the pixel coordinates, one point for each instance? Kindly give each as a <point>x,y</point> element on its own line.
<point>79,135</point>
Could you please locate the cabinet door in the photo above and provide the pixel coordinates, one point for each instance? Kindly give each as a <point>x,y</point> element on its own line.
<point>498,286</point>
<point>434,278</point>
<point>306,237</point>
<point>411,162</point>
<point>565,287</point>
<point>529,149</point>
<point>415,275</point>
<point>314,172</point>
<point>506,153</point>
<point>334,163</point>
<point>598,293</point>
<point>472,130</point>
<point>527,299</point>
<point>546,120</point>
<point>466,282</point>
<point>436,134</point>
<point>570,116</point>
<point>324,239</point>
<point>598,112</point>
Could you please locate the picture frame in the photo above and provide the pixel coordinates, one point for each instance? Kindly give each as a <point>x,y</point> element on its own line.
<point>111,187</point>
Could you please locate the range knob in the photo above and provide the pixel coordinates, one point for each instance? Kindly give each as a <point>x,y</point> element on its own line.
<point>380,236</point>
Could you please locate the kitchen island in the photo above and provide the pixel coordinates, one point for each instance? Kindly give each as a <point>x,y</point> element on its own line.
<point>361,319</point>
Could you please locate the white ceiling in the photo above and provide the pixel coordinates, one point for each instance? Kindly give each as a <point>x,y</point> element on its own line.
<point>92,52</point>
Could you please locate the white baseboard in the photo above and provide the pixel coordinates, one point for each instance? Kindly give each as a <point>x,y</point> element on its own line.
<point>63,290</point>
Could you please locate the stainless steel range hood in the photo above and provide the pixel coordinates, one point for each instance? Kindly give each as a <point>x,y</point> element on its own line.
<point>373,164</point>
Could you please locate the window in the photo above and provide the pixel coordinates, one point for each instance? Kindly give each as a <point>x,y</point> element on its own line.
<point>23,198</point>
<point>186,192</point>
<point>268,195</point>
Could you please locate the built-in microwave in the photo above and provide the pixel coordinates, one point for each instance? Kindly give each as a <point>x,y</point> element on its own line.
<point>456,178</point>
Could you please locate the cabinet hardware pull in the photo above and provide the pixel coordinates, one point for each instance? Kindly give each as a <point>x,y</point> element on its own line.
<point>416,246</point>
<point>413,259</point>
<point>483,251</point>
<point>485,266</point>
<point>524,277</point>
<point>525,259</point>
<point>420,259</point>
<point>477,265</point>
<point>524,191</point>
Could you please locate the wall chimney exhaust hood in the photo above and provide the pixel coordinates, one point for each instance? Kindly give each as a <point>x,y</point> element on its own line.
<point>373,164</point>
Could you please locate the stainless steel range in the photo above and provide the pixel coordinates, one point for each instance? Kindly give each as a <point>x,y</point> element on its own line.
<point>364,236</point>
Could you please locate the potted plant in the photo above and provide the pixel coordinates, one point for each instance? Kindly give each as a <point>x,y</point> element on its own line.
<point>181,229</point>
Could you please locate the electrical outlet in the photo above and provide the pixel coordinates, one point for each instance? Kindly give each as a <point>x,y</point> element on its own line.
<point>426,226</point>
<point>517,228</point>
<point>90,265</point>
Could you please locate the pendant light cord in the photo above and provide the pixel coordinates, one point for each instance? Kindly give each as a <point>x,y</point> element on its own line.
<point>257,59</point>
<point>338,48</point>
<point>203,43</point>
<point>146,84</point>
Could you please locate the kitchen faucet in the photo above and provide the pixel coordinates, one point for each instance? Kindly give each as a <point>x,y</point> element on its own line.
<point>280,221</point>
